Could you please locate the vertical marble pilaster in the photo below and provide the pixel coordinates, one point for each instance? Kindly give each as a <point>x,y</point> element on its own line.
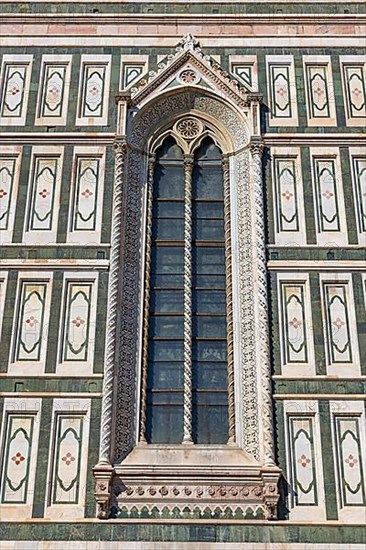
<point>103,471</point>
<point>263,354</point>
<point>187,375</point>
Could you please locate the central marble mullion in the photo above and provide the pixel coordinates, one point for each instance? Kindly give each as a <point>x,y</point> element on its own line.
<point>187,315</point>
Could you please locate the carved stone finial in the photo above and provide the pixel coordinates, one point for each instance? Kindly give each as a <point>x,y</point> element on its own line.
<point>188,42</point>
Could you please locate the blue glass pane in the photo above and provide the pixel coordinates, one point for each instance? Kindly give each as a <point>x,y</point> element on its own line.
<point>209,327</point>
<point>208,230</point>
<point>166,281</point>
<point>209,301</point>
<point>169,182</point>
<point>166,301</point>
<point>209,376</point>
<point>169,150</point>
<point>208,151</point>
<point>167,209</point>
<point>166,327</point>
<point>168,230</point>
<point>165,398</point>
<point>207,182</point>
<point>165,376</point>
<point>164,423</point>
<point>209,261</point>
<point>208,210</point>
<point>209,281</point>
<point>210,351</point>
<point>210,418</point>
<point>165,351</point>
<point>167,259</point>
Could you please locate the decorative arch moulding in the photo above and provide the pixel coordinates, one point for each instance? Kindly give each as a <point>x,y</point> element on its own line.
<point>133,477</point>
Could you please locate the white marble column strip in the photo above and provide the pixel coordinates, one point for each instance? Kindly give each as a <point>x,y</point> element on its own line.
<point>187,375</point>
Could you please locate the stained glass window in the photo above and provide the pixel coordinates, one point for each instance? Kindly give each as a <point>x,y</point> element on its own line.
<point>166,332</point>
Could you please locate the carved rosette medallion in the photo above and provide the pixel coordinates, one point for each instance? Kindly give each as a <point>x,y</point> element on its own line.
<point>188,128</point>
<point>188,76</point>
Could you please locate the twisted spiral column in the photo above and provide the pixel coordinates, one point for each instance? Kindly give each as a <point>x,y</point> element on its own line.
<point>145,346</point>
<point>229,302</point>
<point>263,357</point>
<point>120,147</point>
<point>187,374</point>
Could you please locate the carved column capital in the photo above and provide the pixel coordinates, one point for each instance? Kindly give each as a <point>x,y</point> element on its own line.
<point>256,148</point>
<point>254,97</point>
<point>151,165</point>
<point>188,162</point>
<point>120,146</point>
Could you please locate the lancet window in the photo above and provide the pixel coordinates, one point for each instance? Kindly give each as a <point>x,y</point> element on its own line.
<point>187,359</point>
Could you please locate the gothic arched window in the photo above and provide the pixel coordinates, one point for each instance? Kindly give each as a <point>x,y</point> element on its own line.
<point>185,365</point>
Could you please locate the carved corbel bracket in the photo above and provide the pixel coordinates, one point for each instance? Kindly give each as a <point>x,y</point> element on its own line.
<point>103,474</point>
<point>271,494</point>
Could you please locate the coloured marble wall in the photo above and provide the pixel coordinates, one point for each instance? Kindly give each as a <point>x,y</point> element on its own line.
<point>58,120</point>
